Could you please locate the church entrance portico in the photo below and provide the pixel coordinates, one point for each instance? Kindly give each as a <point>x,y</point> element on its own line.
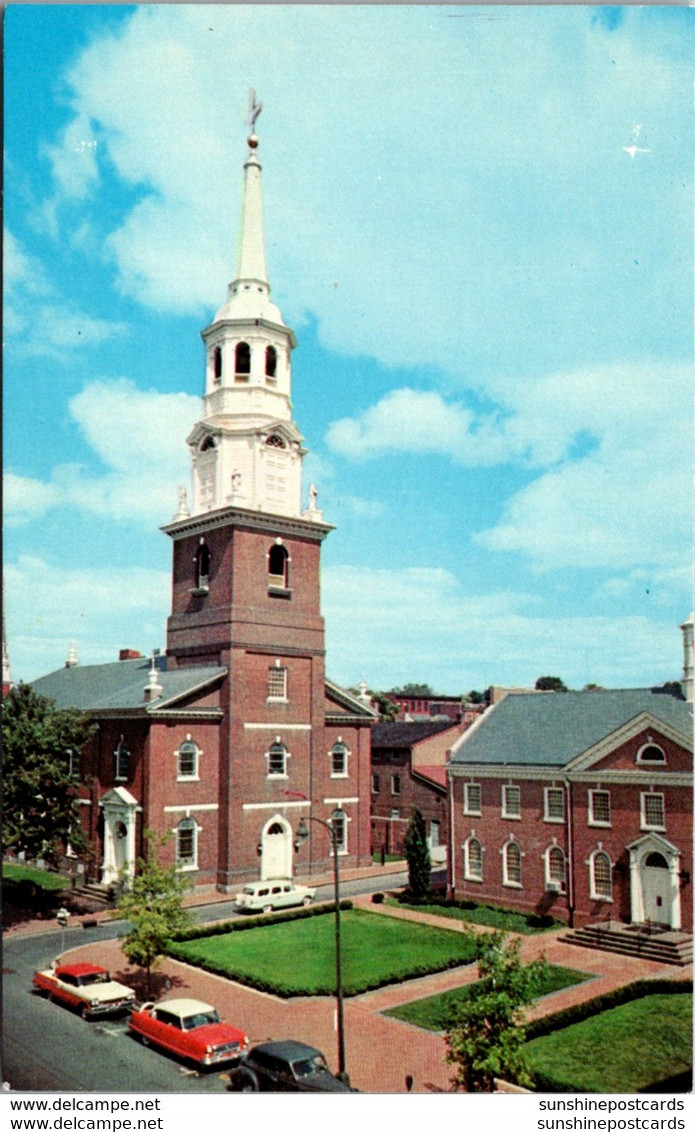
<point>654,882</point>
<point>276,849</point>
<point>119,808</point>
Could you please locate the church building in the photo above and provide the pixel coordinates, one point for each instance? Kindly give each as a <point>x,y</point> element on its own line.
<point>235,734</point>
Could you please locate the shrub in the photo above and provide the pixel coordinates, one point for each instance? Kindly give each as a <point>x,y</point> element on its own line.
<point>581,1010</point>
<point>221,927</point>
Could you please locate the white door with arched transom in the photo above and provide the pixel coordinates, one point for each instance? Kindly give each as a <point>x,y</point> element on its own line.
<point>656,889</point>
<point>276,849</point>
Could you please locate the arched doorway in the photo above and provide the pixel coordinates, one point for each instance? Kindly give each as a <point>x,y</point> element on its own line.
<point>119,808</point>
<point>276,849</point>
<point>654,882</point>
<point>656,889</point>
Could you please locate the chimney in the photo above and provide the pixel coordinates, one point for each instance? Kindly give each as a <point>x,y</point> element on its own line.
<point>687,681</point>
<point>129,654</point>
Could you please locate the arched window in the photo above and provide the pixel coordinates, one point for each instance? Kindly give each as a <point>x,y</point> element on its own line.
<point>555,869</point>
<point>651,754</point>
<point>187,844</point>
<point>271,361</point>
<point>275,441</point>
<point>217,364</point>
<point>512,864</point>
<point>601,878</point>
<point>187,759</point>
<point>473,859</point>
<point>278,567</point>
<point>202,566</point>
<point>242,361</point>
<point>277,760</point>
<point>207,444</point>
<point>339,760</point>
<point>122,756</point>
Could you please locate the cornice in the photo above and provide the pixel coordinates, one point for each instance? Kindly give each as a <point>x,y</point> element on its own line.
<point>251,520</point>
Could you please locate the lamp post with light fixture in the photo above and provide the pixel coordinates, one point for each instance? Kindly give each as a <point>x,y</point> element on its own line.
<point>302,835</point>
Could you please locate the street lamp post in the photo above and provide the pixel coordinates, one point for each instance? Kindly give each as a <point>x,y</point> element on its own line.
<point>302,834</point>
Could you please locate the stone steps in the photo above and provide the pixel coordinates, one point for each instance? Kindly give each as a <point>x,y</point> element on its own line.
<point>674,948</point>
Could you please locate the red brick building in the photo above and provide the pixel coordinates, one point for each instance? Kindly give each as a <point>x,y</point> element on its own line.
<point>235,734</point>
<point>408,770</point>
<point>577,804</point>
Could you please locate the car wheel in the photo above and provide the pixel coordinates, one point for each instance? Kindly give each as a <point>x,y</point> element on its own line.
<point>243,1080</point>
<point>268,908</point>
<point>85,1012</point>
<point>306,901</point>
<point>145,1040</point>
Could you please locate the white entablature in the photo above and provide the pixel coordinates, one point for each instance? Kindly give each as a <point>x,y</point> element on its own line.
<point>247,451</point>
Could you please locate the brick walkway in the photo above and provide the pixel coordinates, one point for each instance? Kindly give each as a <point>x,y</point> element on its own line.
<point>381,1051</point>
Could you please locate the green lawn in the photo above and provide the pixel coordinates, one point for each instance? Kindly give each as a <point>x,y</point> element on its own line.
<point>489,917</point>
<point>433,1012</point>
<point>622,1050</point>
<point>49,881</point>
<point>298,957</point>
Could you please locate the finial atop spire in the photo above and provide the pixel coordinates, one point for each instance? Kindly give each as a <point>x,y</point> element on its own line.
<point>254,110</point>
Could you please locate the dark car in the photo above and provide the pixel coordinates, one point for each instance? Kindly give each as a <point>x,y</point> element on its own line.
<point>285,1067</point>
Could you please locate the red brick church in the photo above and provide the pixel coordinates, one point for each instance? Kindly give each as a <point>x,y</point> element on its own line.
<point>235,734</point>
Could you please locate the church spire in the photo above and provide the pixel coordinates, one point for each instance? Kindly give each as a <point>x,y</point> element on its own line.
<point>251,266</point>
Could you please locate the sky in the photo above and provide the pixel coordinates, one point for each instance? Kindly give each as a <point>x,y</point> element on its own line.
<point>478,222</point>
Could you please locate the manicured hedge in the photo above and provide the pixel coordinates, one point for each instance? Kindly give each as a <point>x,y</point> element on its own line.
<point>581,1010</point>
<point>221,927</point>
<point>441,900</point>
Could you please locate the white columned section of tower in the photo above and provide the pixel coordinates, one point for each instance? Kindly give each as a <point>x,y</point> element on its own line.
<point>246,450</point>
<point>687,681</point>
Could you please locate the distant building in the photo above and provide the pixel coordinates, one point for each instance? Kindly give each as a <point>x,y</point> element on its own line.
<point>420,708</point>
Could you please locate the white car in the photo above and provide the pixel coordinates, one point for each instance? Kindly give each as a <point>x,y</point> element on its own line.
<point>85,986</point>
<point>265,895</point>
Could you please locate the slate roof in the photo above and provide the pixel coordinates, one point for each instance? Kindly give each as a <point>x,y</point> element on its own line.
<point>402,736</point>
<point>553,728</point>
<point>120,685</point>
<point>434,774</point>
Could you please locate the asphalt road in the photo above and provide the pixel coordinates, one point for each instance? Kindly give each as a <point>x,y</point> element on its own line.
<point>49,1048</point>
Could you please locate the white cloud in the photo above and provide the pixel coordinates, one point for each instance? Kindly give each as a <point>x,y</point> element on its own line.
<point>139,436</point>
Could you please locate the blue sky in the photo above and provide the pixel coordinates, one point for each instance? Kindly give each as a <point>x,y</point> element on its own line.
<point>478,222</point>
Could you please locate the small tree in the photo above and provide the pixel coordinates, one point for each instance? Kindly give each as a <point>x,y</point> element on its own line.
<point>417,854</point>
<point>152,902</point>
<point>41,746</point>
<point>386,707</point>
<point>487,1033</point>
<point>550,684</point>
<point>414,690</point>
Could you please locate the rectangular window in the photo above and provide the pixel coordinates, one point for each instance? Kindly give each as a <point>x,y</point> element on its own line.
<point>653,815</point>
<point>277,683</point>
<point>396,784</point>
<point>375,784</point>
<point>395,812</point>
<point>472,799</point>
<point>511,802</point>
<point>554,807</point>
<point>599,807</point>
<point>339,824</point>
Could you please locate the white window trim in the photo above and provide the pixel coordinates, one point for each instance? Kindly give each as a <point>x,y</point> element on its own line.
<point>549,880</point>
<point>506,814</point>
<point>644,824</point>
<point>651,762</point>
<point>473,813</point>
<point>593,894</point>
<point>272,774</point>
<point>467,874</point>
<point>343,773</point>
<point>284,699</point>
<point>195,777</point>
<point>396,793</point>
<point>596,822</point>
<point>506,882</point>
<point>197,830</point>
<point>344,852</point>
<point>546,807</point>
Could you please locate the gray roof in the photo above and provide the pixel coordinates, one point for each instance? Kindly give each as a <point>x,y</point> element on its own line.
<point>404,735</point>
<point>553,728</point>
<point>120,685</point>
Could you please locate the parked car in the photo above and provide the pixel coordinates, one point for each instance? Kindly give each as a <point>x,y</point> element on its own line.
<point>285,1067</point>
<point>265,895</point>
<point>85,986</point>
<point>188,1029</point>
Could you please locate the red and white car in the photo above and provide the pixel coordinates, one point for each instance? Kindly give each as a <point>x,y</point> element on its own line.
<point>85,986</point>
<point>188,1029</point>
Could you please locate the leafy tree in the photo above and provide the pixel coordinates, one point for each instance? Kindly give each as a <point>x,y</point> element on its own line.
<point>487,1034</point>
<point>41,746</point>
<point>417,854</point>
<point>414,690</point>
<point>387,709</point>
<point>152,902</point>
<point>550,684</point>
<point>474,697</point>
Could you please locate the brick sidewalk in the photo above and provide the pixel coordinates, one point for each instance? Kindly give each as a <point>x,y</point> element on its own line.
<point>381,1051</point>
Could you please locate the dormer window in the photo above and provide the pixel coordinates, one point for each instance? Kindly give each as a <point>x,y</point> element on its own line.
<point>278,567</point>
<point>217,364</point>
<point>271,362</point>
<point>242,361</point>
<point>202,566</point>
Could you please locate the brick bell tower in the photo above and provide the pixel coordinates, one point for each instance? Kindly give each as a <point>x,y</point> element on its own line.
<point>246,558</point>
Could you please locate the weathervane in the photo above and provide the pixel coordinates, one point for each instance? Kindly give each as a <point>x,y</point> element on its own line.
<point>254,110</point>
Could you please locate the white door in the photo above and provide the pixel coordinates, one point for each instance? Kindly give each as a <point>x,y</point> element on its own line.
<point>276,851</point>
<point>656,889</point>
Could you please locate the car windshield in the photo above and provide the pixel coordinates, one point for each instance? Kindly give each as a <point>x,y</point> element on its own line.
<point>205,1018</point>
<point>95,977</point>
<point>310,1066</point>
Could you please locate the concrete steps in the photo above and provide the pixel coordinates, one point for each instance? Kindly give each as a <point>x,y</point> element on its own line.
<point>643,941</point>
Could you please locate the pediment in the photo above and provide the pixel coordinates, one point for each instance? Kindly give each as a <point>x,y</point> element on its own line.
<point>119,798</point>
<point>644,721</point>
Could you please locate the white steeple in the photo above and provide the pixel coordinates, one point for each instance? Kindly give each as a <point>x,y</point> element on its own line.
<point>247,451</point>
<point>687,681</point>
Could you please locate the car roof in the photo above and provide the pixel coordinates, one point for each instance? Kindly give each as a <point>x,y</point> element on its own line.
<point>182,1007</point>
<point>290,1050</point>
<point>78,969</point>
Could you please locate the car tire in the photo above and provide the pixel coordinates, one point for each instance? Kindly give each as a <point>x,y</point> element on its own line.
<point>145,1040</point>
<point>243,1080</point>
<point>267,908</point>
<point>306,901</point>
<point>85,1012</point>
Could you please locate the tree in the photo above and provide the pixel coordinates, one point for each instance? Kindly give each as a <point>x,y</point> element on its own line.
<point>474,697</point>
<point>413,690</point>
<point>487,1033</point>
<point>41,747</point>
<point>152,902</point>
<point>387,709</point>
<point>417,854</point>
<point>550,684</point>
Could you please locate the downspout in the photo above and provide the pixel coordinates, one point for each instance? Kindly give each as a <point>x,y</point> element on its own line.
<point>451,863</point>
<point>570,854</point>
